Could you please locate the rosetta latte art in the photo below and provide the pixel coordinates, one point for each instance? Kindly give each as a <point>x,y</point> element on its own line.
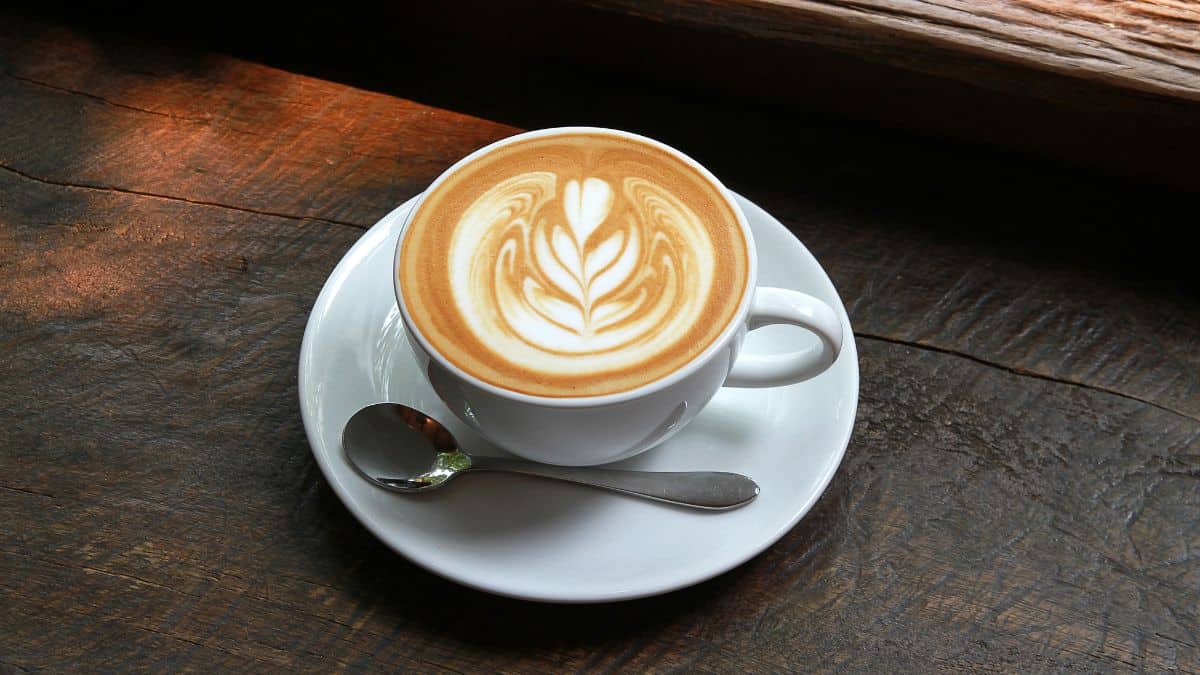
<point>572,265</point>
<point>555,269</point>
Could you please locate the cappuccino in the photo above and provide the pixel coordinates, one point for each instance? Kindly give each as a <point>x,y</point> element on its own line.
<point>573,265</point>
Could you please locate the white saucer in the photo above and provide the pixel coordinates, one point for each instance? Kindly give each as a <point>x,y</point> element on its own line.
<point>541,540</point>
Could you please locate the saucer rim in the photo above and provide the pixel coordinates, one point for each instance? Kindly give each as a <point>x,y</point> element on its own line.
<point>366,244</point>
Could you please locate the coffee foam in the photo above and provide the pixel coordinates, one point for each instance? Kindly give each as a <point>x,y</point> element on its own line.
<point>573,265</point>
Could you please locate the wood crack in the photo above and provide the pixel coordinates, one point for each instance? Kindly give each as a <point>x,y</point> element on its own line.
<point>174,198</point>
<point>197,643</point>
<point>130,577</point>
<point>101,99</point>
<point>88,569</point>
<point>207,121</point>
<point>1023,372</point>
<point>26,491</point>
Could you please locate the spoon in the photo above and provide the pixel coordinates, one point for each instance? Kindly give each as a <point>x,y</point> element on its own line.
<point>405,450</point>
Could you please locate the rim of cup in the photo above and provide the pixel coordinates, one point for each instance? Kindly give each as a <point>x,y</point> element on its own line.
<point>727,333</point>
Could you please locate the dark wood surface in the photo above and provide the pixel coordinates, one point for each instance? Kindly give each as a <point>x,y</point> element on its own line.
<point>1107,85</point>
<point>1147,45</point>
<point>1021,492</point>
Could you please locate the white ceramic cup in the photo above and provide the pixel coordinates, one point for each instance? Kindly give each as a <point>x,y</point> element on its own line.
<point>599,429</point>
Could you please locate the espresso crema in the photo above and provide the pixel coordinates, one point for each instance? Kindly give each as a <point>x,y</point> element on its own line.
<point>573,265</point>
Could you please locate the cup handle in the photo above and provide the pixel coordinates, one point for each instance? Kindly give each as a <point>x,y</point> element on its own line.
<point>780,305</point>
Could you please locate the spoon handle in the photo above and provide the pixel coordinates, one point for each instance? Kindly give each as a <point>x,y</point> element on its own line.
<point>702,489</point>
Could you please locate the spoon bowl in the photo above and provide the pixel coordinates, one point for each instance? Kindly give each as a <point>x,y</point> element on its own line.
<point>402,449</point>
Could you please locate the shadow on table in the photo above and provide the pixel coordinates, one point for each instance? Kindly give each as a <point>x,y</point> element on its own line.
<point>1014,206</point>
<point>400,593</point>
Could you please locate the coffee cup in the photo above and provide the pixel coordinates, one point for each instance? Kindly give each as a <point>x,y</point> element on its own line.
<point>578,294</point>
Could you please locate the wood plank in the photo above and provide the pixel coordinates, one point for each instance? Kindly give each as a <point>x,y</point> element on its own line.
<point>214,130</point>
<point>832,62</point>
<point>1146,45</point>
<point>1052,284</point>
<point>524,63</point>
<point>982,518</point>
<point>1087,304</point>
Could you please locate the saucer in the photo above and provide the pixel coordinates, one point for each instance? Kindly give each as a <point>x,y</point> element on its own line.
<point>556,542</point>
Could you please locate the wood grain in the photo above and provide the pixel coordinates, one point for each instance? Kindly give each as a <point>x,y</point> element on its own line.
<point>342,155</point>
<point>1147,45</point>
<point>529,74</point>
<point>1019,494</point>
<point>209,129</point>
<point>1078,82</point>
<point>1064,293</point>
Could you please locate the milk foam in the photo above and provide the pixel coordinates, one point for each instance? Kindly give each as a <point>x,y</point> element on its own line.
<point>568,275</point>
<point>573,265</point>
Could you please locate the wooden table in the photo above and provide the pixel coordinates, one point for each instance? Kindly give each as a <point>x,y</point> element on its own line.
<point>1021,493</point>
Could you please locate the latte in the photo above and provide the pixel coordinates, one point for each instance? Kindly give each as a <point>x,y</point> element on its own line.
<point>573,265</point>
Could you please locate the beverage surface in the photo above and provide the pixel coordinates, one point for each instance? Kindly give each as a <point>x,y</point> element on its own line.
<point>573,265</point>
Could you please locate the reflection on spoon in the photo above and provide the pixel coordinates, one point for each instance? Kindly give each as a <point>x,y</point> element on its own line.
<point>405,450</point>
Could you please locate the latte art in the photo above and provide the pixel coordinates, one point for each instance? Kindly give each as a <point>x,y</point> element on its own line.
<point>573,265</point>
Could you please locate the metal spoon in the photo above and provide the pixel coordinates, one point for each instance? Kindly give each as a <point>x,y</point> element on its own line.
<point>405,450</point>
